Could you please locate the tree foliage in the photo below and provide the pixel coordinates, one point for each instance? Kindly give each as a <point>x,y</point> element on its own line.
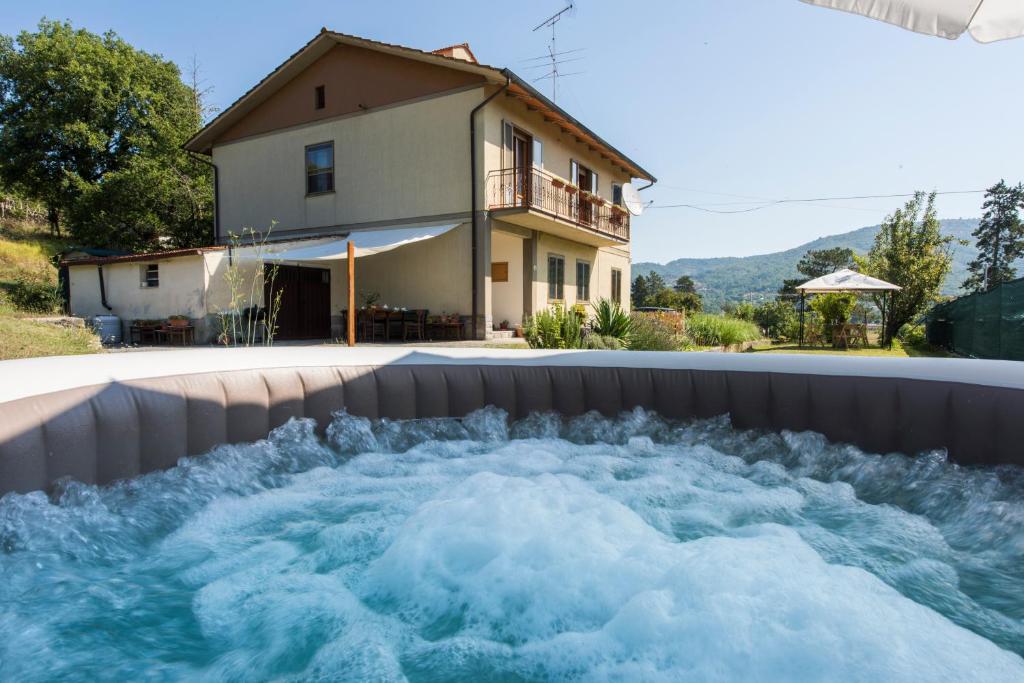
<point>814,264</point>
<point>652,290</point>
<point>909,251</point>
<point>1000,238</point>
<point>93,128</point>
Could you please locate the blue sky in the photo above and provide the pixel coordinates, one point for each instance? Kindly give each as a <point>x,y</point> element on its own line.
<point>758,98</point>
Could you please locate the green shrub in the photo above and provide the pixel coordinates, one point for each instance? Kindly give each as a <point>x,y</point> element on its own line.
<point>833,309</point>
<point>599,342</point>
<point>555,328</point>
<point>656,332</point>
<point>778,320</point>
<point>705,329</point>
<point>610,321</point>
<point>912,335</point>
<point>36,295</point>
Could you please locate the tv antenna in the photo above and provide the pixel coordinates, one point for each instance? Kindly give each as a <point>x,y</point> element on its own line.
<point>553,53</point>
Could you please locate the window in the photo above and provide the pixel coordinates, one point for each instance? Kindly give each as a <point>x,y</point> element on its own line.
<point>538,153</point>
<point>320,98</point>
<point>320,168</point>
<point>499,271</point>
<point>556,277</point>
<point>582,281</point>
<point>617,194</point>
<point>616,285</point>
<point>149,275</point>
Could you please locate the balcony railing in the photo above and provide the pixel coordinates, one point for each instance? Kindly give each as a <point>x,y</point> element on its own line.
<point>534,189</point>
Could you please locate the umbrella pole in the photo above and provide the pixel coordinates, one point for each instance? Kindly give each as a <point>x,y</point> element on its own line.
<point>351,318</point>
<point>803,298</point>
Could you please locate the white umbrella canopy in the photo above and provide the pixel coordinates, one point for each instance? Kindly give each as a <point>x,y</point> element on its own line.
<point>846,280</point>
<point>986,20</point>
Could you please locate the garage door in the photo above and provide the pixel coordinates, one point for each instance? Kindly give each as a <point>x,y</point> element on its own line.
<point>305,311</point>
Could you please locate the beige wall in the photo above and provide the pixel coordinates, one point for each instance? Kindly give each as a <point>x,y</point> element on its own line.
<point>601,260</point>
<point>405,161</point>
<point>433,274</point>
<point>559,148</point>
<point>507,297</point>
<point>182,290</point>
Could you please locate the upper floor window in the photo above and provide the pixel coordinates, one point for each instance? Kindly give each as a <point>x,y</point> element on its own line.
<point>617,194</point>
<point>149,275</point>
<point>320,99</point>
<point>320,168</point>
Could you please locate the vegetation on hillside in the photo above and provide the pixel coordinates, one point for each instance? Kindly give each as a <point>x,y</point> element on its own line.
<point>757,278</point>
<point>28,288</point>
<point>92,129</point>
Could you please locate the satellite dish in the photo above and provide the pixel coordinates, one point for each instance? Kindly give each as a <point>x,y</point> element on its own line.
<point>631,198</point>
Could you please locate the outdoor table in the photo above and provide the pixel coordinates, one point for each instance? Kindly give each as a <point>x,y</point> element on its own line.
<point>185,334</point>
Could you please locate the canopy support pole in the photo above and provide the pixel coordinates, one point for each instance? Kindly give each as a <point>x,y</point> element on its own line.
<point>351,317</point>
<point>803,298</point>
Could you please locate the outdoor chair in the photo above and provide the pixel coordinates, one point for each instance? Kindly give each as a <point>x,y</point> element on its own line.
<point>415,322</point>
<point>378,325</point>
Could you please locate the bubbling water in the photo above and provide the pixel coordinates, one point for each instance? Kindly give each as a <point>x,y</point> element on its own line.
<point>592,548</point>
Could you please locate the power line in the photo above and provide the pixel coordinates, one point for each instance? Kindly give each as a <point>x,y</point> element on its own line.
<point>777,202</point>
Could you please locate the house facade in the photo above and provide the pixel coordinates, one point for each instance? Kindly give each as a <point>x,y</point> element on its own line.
<point>519,205</point>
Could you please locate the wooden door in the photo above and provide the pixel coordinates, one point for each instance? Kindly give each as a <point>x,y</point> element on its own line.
<point>522,146</point>
<point>305,310</point>
<point>586,183</point>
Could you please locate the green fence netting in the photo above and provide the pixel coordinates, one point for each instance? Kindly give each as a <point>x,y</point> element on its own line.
<point>986,325</point>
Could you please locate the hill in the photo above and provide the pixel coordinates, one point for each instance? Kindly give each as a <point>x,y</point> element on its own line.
<point>755,278</point>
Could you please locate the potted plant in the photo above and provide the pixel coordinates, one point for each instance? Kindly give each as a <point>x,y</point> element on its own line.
<point>571,189</point>
<point>557,183</point>
<point>618,210</point>
<point>178,320</point>
<point>504,325</point>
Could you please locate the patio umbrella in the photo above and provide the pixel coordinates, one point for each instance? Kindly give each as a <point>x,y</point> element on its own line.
<point>986,20</point>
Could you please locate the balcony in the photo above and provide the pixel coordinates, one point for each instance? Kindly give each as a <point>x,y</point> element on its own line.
<point>538,200</point>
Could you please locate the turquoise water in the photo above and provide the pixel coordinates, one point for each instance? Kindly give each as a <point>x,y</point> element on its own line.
<point>589,549</point>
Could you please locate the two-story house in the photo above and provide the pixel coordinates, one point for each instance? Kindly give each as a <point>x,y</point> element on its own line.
<point>465,188</point>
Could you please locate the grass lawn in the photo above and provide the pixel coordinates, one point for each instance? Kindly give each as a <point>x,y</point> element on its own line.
<point>24,338</point>
<point>898,350</point>
<point>25,251</point>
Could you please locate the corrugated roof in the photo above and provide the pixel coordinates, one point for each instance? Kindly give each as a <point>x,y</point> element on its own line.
<point>148,256</point>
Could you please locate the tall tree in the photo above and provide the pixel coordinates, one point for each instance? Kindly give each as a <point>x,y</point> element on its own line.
<point>1000,238</point>
<point>92,127</point>
<point>910,251</point>
<point>685,285</point>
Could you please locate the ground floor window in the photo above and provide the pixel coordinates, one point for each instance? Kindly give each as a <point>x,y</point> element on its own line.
<point>582,281</point>
<point>556,277</point>
<point>616,285</point>
<point>149,275</point>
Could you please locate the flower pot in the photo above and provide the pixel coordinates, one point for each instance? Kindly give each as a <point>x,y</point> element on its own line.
<point>178,322</point>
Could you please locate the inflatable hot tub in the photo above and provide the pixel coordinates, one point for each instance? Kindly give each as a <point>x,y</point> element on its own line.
<point>103,418</point>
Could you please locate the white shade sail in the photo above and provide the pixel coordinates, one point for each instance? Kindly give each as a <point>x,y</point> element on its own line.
<point>846,280</point>
<point>367,243</point>
<point>986,20</point>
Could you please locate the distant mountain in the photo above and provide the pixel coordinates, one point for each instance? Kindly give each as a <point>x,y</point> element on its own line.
<point>756,278</point>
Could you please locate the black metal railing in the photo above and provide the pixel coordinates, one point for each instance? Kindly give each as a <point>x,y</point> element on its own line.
<point>535,189</point>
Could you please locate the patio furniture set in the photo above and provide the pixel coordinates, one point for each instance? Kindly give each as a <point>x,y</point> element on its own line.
<point>397,324</point>
<point>171,332</point>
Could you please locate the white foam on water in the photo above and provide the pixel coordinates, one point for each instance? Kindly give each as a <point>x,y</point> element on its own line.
<point>589,549</point>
